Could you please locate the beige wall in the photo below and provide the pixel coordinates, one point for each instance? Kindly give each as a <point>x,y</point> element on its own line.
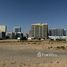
<point>3,28</point>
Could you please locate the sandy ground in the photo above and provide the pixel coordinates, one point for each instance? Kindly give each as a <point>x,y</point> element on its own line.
<point>20,61</point>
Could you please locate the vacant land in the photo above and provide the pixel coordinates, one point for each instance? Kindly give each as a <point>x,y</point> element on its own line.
<point>33,53</point>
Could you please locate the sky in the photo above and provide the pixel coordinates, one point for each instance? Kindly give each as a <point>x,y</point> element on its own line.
<point>26,12</point>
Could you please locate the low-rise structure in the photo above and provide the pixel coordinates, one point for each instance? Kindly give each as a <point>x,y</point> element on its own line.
<point>56,32</point>
<point>10,35</point>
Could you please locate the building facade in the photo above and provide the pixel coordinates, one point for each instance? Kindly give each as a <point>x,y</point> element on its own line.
<point>39,31</point>
<point>3,28</point>
<point>10,35</point>
<point>56,32</point>
<point>17,29</point>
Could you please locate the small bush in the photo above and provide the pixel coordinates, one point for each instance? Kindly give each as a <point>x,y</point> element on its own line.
<point>50,47</point>
<point>60,47</point>
<point>34,43</point>
<point>60,39</point>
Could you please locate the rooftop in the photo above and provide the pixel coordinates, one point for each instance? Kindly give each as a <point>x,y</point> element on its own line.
<point>40,24</point>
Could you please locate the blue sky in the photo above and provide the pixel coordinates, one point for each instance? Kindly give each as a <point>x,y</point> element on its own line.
<point>27,12</point>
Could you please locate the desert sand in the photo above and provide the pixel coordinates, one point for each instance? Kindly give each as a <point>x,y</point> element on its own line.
<point>12,54</point>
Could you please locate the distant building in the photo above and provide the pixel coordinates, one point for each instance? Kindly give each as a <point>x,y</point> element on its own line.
<point>10,35</point>
<point>19,35</point>
<point>66,32</point>
<point>39,31</point>
<point>17,29</point>
<point>3,28</point>
<point>56,32</point>
<point>58,37</point>
<point>2,35</point>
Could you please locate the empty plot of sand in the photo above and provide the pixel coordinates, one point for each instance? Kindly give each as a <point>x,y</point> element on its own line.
<point>24,54</point>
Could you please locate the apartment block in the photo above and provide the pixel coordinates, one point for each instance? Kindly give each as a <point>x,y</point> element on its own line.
<point>39,30</point>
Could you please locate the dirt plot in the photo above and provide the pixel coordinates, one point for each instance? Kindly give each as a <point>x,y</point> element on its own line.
<point>17,62</point>
<point>24,53</point>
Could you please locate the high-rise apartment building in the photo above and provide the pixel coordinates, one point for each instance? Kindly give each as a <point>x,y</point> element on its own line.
<point>39,31</point>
